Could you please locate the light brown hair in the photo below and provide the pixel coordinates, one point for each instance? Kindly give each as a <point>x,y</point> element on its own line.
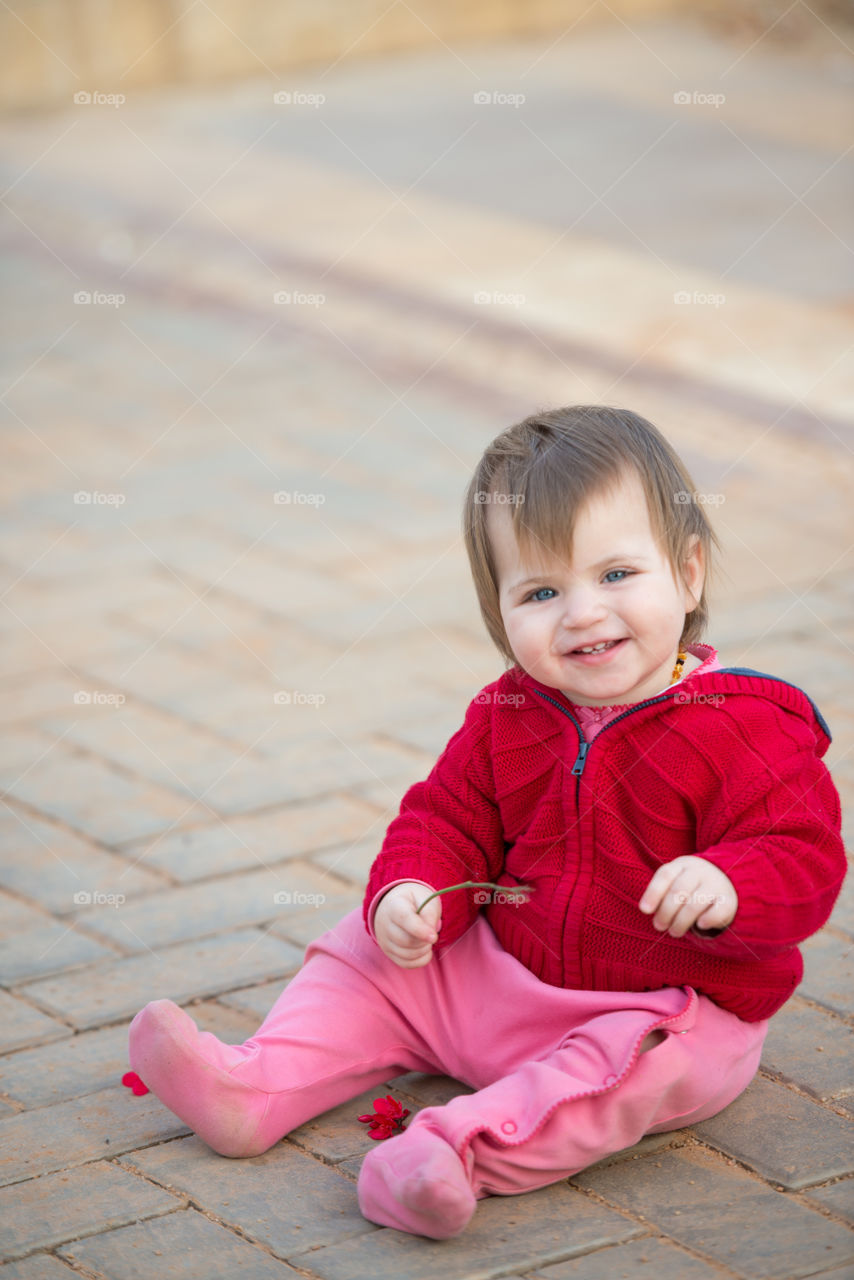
<point>546,467</point>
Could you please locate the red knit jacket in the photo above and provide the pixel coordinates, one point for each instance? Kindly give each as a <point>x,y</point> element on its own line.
<point>730,769</point>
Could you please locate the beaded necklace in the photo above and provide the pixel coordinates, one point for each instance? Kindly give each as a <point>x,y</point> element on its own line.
<point>680,663</point>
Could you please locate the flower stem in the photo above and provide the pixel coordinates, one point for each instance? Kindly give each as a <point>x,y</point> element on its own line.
<point>476,884</point>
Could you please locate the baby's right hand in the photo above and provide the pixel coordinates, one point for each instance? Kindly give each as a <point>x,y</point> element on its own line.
<point>406,937</point>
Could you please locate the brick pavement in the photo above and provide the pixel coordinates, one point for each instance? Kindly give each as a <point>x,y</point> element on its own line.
<point>213,697</point>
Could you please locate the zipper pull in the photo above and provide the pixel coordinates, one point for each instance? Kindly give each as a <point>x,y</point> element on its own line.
<point>578,767</point>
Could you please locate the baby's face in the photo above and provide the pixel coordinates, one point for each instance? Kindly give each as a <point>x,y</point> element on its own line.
<point>619,588</point>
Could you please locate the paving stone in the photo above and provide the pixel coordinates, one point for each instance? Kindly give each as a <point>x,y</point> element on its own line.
<point>811,1049</point>
<point>17,916</point>
<point>41,1266</point>
<point>842,916</point>
<point>254,1002</point>
<point>315,768</point>
<point>49,864</point>
<point>185,684</point>
<point>838,1198</point>
<point>120,988</point>
<point>806,1144</point>
<point>28,698</point>
<point>183,1245</point>
<point>47,1211</point>
<point>302,925</point>
<point>837,1273</point>
<point>212,906</point>
<point>20,748</point>
<point>22,1025</point>
<point>459,660</point>
<point>432,735</point>
<point>283,1199</point>
<point>384,797</point>
<point>844,1105</point>
<point>653,1142</point>
<point>658,1258</point>
<point>245,841</point>
<point>151,744</point>
<point>338,1133</point>
<point>428,1090</point>
<point>279,585</point>
<point>225,777</point>
<point>50,948</point>
<point>723,1214</point>
<point>98,801</point>
<point>95,1060</point>
<point>230,632</point>
<point>50,603</point>
<point>88,1128</point>
<point>354,861</point>
<point>70,1068</point>
<point>829,972</point>
<point>505,1234</point>
<point>231,1025</point>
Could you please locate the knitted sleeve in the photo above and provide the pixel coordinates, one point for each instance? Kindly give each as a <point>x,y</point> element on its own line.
<point>784,854</point>
<point>448,828</point>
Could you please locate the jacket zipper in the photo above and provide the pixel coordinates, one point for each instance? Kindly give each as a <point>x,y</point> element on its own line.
<point>583,744</point>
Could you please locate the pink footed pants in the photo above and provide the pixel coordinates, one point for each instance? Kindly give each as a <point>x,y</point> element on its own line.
<point>562,1078</point>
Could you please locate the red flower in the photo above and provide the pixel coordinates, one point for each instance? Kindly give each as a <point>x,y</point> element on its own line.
<point>132,1080</point>
<point>387,1119</point>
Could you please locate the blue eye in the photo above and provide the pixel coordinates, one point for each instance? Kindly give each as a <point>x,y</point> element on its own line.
<point>539,591</point>
<point>625,573</point>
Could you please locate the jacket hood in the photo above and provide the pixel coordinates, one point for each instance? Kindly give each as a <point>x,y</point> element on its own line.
<point>726,680</point>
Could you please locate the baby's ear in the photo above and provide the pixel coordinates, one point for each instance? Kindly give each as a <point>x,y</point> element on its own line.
<point>693,572</point>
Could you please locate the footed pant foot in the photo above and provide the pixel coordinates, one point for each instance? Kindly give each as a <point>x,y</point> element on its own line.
<point>189,1071</point>
<point>416,1182</point>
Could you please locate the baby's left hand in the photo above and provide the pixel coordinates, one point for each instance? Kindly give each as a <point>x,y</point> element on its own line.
<point>689,891</point>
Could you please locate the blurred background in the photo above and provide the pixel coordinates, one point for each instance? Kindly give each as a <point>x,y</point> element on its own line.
<point>274,275</point>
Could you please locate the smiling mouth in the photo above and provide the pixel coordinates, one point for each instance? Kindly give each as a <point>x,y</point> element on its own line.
<point>602,647</point>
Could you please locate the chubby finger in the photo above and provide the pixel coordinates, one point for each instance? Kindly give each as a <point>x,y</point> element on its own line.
<point>409,931</point>
<point>718,915</point>
<point>655,892</point>
<point>700,906</point>
<point>678,908</point>
<point>682,919</point>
